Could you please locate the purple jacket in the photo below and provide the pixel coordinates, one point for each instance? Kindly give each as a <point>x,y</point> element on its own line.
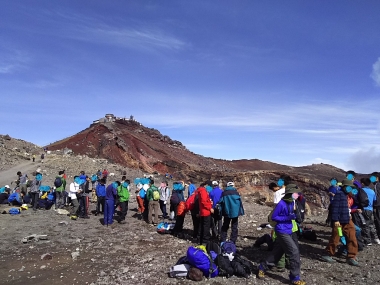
<point>283,215</point>
<point>111,192</point>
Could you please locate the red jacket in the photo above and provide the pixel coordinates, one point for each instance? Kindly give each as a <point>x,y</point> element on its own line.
<point>205,204</point>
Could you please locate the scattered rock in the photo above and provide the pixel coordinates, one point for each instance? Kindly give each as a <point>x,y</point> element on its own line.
<point>46,256</point>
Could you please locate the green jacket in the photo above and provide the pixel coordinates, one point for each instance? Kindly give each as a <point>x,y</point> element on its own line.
<point>63,186</point>
<point>149,192</point>
<point>123,193</point>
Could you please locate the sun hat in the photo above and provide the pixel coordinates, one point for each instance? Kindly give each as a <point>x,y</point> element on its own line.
<point>292,188</point>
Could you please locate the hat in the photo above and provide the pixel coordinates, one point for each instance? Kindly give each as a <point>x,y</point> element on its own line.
<point>292,188</point>
<point>230,184</point>
<point>6,186</point>
<point>347,182</point>
<point>215,182</point>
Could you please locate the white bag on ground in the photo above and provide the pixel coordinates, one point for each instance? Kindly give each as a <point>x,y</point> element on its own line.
<point>179,270</point>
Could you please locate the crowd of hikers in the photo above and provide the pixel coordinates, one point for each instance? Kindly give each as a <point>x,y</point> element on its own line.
<point>354,215</point>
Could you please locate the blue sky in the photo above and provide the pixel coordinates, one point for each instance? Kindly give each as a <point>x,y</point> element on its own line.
<point>292,82</point>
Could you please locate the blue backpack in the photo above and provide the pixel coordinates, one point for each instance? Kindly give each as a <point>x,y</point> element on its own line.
<point>201,260</point>
<point>142,193</point>
<point>14,211</point>
<point>94,178</point>
<point>228,247</point>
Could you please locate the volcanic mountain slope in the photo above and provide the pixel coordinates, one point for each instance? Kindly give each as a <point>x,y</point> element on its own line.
<point>130,144</point>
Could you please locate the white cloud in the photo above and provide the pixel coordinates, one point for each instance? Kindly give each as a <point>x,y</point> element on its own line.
<point>365,161</point>
<point>13,61</point>
<point>375,75</point>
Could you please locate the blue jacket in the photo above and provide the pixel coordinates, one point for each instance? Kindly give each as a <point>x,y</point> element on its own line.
<point>371,198</point>
<point>283,214</point>
<point>100,190</point>
<point>15,197</point>
<point>339,208</point>
<point>191,188</point>
<point>230,201</point>
<point>215,195</point>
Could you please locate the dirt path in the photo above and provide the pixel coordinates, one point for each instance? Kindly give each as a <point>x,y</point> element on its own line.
<point>9,175</point>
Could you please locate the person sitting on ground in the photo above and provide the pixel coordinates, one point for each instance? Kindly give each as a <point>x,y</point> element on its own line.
<point>232,208</point>
<point>341,221</point>
<point>15,199</point>
<point>4,194</point>
<point>286,242</point>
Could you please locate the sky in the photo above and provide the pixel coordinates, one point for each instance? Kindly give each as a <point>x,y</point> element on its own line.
<point>292,82</point>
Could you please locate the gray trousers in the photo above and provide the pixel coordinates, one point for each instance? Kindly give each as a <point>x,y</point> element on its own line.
<point>75,208</point>
<point>287,244</point>
<point>368,230</point>
<point>59,202</point>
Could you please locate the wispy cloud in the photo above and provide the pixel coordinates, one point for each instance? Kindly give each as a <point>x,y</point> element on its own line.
<point>13,61</point>
<point>375,75</point>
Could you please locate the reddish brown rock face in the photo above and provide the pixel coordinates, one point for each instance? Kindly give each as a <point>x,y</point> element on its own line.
<point>130,144</point>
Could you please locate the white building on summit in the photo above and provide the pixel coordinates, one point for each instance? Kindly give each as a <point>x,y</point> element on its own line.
<point>111,118</point>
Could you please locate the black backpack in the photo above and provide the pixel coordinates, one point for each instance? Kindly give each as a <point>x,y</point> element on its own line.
<point>58,181</point>
<point>213,246</point>
<point>247,265</point>
<point>362,198</point>
<point>224,266</point>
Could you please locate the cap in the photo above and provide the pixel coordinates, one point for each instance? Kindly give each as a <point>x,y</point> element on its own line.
<point>215,182</point>
<point>6,186</point>
<point>230,184</point>
<point>347,182</point>
<point>292,188</point>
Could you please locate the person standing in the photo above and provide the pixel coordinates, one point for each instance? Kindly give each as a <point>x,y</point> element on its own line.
<point>341,221</point>
<point>22,181</point>
<point>368,229</point>
<point>34,157</point>
<point>232,208</point>
<point>59,190</point>
<point>153,196</point>
<point>215,195</point>
<point>286,241</point>
<point>164,197</point>
<point>35,190</point>
<point>42,157</point>
<point>205,211</point>
<point>74,191</point>
<point>191,188</point>
<point>111,192</point>
<point>123,193</point>
<point>84,200</point>
<point>100,194</point>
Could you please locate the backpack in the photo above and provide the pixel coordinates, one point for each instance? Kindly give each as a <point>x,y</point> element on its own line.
<point>239,269</point>
<point>213,246</point>
<point>156,194</point>
<point>224,266</point>
<point>179,270</point>
<point>142,193</point>
<point>58,181</point>
<point>94,178</point>
<point>201,260</point>
<point>362,198</point>
<point>14,211</point>
<point>228,247</point>
<point>174,199</point>
<point>218,213</point>
<point>181,209</point>
<point>164,228</point>
<point>247,265</point>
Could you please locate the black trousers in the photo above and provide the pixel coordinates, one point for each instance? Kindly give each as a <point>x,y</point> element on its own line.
<point>196,223</point>
<point>205,229</point>
<point>101,201</point>
<point>163,209</point>
<point>124,210</point>
<point>35,197</point>
<point>234,228</point>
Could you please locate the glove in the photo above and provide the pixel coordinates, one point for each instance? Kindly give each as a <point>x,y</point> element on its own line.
<point>164,202</point>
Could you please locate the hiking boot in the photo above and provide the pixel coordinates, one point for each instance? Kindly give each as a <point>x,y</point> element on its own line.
<point>352,261</point>
<point>377,241</point>
<point>261,274</point>
<point>298,282</point>
<point>277,269</point>
<point>327,258</point>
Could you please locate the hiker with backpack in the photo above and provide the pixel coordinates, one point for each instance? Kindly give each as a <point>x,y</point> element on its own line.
<point>153,196</point>
<point>35,190</point>
<point>342,225</point>
<point>176,197</point>
<point>215,195</point>
<point>368,230</point>
<point>164,197</point>
<point>331,192</point>
<point>286,242</point>
<point>84,200</point>
<point>100,196</point>
<point>191,188</point>
<point>123,194</point>
<point>376,206</point>
<point>232,208</point>
<point>60,185</point>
